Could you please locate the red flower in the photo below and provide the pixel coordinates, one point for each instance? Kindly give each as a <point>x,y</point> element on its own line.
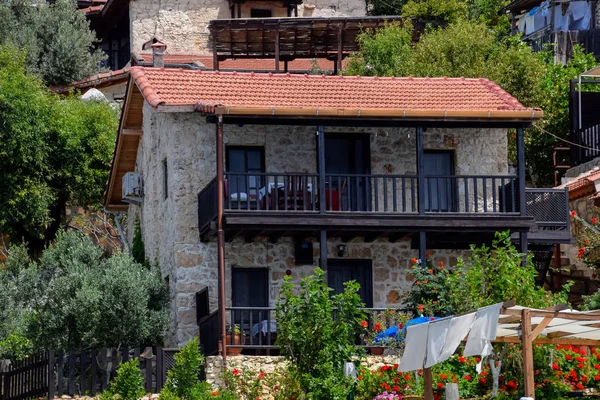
<point>573,213</point>
<point>414,260</point>
<point>594,220</point>
<point>555,366</point>
<point>512,385</point>
<point>406,377</point>
<point>597,377</point>
<point>584,379</point>
<point>580,365</point>
<point>436,396</point>
<point>440,385</point>
<point>420,307</point>
<point>443,376</point>
<point>261,375</point>
<point>477,359</point>
<point>377,327</point>
<point>431,319</point>
<point>400,326</point>
<point>430,271</point>
<point>579,386</point>
<point>396,379</point>
<point>396,388</point>
<point>568,357</point>
<point>579,359</point>
<point>359,378</point>
<point>462,359</point>
<point>276,387</point>
<point>468,377</point>
<point>364,324</point>
<point>483,381</point>
<point>236,372</point>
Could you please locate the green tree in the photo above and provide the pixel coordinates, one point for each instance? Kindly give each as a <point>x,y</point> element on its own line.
<point>439,11</point>
<point>316,332</point>
<point>75,297</point>
<point>57,39</point>
<point>53,152</point>
<point>385,7</point>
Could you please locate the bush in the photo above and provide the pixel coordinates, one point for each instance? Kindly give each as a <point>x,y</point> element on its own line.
<point>183,379</point>
<point>317,332</point>
<point>75,297</point>
<point>129,383</point>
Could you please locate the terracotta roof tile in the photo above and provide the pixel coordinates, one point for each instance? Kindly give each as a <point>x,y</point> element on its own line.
<point>583,185</point>
<point>103,79</point>
<point>176,87</point>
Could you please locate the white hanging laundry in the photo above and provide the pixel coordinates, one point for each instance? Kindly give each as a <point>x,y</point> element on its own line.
<point>529,24</point>
<point>581,14</point>
<point>483,330</point>
<point>561,22</point>
<point>458,331</point>
<point>415,348</point>
<point>436,339</point>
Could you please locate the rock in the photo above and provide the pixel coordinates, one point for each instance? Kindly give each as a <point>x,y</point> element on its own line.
<point>93,95</point>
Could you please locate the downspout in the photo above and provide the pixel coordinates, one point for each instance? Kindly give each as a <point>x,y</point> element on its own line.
<point>221,237</point>
<point>117,216</point>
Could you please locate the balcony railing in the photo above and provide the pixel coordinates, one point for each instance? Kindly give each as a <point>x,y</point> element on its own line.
<point>588,140</point>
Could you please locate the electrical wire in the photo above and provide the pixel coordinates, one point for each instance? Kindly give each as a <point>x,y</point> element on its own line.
<point>565,140</point>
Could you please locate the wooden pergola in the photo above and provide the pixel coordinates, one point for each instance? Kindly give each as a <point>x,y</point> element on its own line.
<point>285,39</point>
<point>549,326</point>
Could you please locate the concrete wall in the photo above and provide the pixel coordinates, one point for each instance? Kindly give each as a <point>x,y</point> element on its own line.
<point>187,143</point>
<point>183,24</point>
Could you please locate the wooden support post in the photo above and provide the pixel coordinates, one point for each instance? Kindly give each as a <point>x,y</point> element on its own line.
<point>513,24</point>
<point>527,344</point>
<point>340,52</point>
<point>277,50</point>
<point>215,56</point>
<point>420,171</point>
<point>428,384</point>
<point>221,235</point>
<point>321,162</point>
<point>521,178</point>
<point>323,250</point>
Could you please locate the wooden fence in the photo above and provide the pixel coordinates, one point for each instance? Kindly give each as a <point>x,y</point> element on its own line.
<point>80,372</point>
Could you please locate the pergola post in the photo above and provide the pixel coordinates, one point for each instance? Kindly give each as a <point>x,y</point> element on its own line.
<point>527,349</point>
<point>428,384</point>
<point>221,236</point>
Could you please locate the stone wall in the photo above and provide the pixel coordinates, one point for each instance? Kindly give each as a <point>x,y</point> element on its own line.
<point>186,144</point>
<point>272,364</point>
<point>183,24</point>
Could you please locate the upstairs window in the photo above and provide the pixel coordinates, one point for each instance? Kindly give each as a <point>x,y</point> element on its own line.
<point>260,13</point>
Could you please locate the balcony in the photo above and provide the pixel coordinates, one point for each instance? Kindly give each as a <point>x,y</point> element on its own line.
<point>277,204</point>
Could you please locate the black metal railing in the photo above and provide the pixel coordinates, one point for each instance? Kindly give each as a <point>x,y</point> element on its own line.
<point>208,327</point>
<point>258,325</point>
<point>549,207</point>
<point>207,205</point>
<point>372,193</point>
<point>588,141</point>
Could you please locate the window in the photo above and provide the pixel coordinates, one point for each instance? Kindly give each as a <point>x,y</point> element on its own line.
<point>260,13</point>
<point>245,160</point>
<point>440,193</point>
<point>250,288</point>
<point>166,178</point>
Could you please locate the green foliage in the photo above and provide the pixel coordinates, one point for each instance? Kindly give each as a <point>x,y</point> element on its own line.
<point>15,346</point>
<point>440,11</point>
<point>138,249</point>
<point>316,332</point>
<point>74,297</point>
<point>56,36</point>
<point>431,294</point>
<point>496,274</point>
<point>129,382</point>
<point>52,152</point>
<point>385,7</point>
<point>183,379</point>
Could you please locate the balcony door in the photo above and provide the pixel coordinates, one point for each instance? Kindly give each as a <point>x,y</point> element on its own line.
<point>245,160</point>
<point>249,288</point>
<point>347,156</point>
<point>440,192</point>
<point>340,271</point>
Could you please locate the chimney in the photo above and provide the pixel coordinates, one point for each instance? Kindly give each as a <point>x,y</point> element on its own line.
<point>158,54</point>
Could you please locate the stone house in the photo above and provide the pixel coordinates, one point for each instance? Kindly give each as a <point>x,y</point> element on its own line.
<point>243,179</point>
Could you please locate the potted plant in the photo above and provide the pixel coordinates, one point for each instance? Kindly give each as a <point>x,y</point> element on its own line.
<point>234,337</point>
<point>384,331</point>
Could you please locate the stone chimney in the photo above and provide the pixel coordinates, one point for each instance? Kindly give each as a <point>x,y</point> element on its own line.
<point>158,54</point>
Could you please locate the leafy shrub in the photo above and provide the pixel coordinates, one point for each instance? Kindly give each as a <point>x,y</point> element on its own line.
<point>129,382</point>
<point>75,297</point>
<point>183,379</point>
<point>431,292</point>
<point>317,332</point>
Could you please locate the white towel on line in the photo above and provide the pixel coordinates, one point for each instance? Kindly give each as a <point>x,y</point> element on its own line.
<point>415,348</point>
<point>436,340</point>
<point>483,330</point>
<point>458,331</point>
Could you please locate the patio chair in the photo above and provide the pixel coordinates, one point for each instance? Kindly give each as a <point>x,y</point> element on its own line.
<point>238,199</point>
<point>295,197</point>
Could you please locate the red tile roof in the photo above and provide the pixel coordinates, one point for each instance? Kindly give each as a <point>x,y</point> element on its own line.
<point>290,94</point>
<point>584,185</point>
<point>252,64</point>
<point>100,80</point>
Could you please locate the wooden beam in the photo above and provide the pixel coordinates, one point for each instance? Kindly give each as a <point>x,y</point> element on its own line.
<point>527,348</point>
<point>558,314</point>
<point>557,334</point>
<point>132,132</point>
<point>251,236</point>
<point>428,384</point>
<point>540,327</point>
<point>544,340</point>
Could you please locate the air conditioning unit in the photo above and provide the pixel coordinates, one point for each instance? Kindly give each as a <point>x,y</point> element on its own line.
<point>132,188</point>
